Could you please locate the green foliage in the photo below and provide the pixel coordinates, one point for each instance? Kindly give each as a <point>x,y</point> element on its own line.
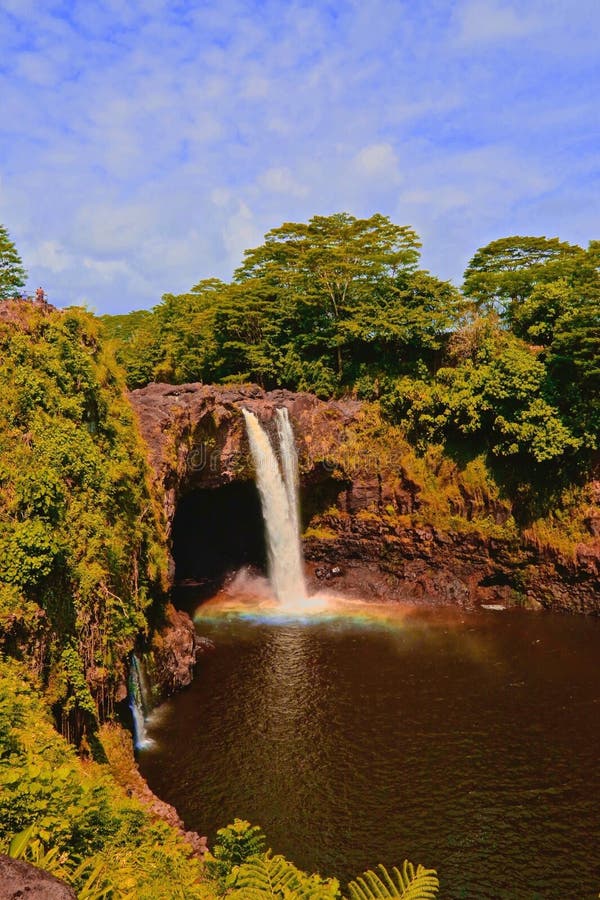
<point>76,686</point>
<point>337,305</point>
<point>80,541</point>
<point>505,272</point>
<point>73,819</point>
<point>86,876</point>
<point>242,870</point>
<point>135,343</point>
<point>12,274</point>
<point>328,268</point>
<point>548,292</point>
<point>306,308</point>
<point>275,877</point>
<point>27,846</point>
<point>574,363</point>
<point>234,845</point>
<point>499,396</point>
<point>408,884</point>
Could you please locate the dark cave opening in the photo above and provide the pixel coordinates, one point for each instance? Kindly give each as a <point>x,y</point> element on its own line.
<point>217,531</point>
<point>497,579</point>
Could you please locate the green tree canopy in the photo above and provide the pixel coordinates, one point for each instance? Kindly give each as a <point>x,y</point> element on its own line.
<point>329,267</point>
<point>497,395</point>
<point>12,274</point>
<point>80,544</point>
<point>315,307</point>
<point>504,272</point>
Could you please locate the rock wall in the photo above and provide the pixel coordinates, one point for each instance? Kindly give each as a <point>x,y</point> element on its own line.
<point>196,435</point>
<point>20,880</point>
<point>374,556</point>
<point>368,533</point>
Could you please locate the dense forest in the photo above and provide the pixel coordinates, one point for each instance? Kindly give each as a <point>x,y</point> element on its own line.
<point>510,364</point>
<point>506,370</point>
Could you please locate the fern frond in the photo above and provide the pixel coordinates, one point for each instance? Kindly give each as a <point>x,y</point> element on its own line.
<point>270,876</point>
<point>408,884</point>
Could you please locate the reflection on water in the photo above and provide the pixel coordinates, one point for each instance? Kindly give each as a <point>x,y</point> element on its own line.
<point>362,734</point>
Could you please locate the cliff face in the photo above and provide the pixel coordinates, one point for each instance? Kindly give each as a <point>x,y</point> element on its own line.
<point>387,559</point>
<point>196,435</point>
<point>373,525</point>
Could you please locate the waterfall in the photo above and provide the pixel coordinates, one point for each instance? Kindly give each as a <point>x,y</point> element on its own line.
<point>289,462</point>
<point>138,702</point>
<point>279,500</point>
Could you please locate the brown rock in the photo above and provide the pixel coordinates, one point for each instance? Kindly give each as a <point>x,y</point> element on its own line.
<point>174,651</point>
<point>196,439</point>
<point>21,881</point>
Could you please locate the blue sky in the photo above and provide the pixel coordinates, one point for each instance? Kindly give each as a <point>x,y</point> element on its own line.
<point>144,146</point>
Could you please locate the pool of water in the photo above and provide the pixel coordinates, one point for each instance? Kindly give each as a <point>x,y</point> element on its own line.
<point>464,741</point>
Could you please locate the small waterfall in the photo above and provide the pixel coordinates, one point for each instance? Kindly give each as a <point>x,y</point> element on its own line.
<point>138,702</point>
<point>279,499</point>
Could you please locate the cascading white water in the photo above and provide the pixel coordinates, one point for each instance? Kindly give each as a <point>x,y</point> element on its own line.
<point>279,499</point>
<point>138,703</point>
<point>289,464</point>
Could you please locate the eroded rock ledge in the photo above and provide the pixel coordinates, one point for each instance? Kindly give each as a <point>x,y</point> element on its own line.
<point>368,530</point>
<point>196,436</point>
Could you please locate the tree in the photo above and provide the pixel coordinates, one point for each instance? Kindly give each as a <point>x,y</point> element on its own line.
<point>535,318</point>
<point>328,267</point>
<point>12,274</point>
<point>135,344</point>
<point>413,314</point>
<point>573,361</point>
<point>318,306</point>
<point>504,273</point>
<point>499,398</point>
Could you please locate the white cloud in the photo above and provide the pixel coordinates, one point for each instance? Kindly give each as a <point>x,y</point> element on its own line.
<point>107,269</point>
<point>281,181</point>
<point>485,20</point>
<point>145,149</point>
<point>255,87</point>
<point>52,256</point>
<point>240,233</point>
<point>377,160</point>
<point>220,196</point>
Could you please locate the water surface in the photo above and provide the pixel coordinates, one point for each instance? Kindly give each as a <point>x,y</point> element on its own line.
<point>465,741</point>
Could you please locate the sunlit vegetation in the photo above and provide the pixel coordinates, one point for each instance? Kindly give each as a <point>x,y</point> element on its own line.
<point>508,368</point>
<point>488,399</point>
<point>12,273</point>
<point>75,810</point>
<point>81,552</point>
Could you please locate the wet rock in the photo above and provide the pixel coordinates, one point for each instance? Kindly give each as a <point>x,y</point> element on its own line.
<point>326,573</point>
<point>21,881</point>
<point>174,651</point>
